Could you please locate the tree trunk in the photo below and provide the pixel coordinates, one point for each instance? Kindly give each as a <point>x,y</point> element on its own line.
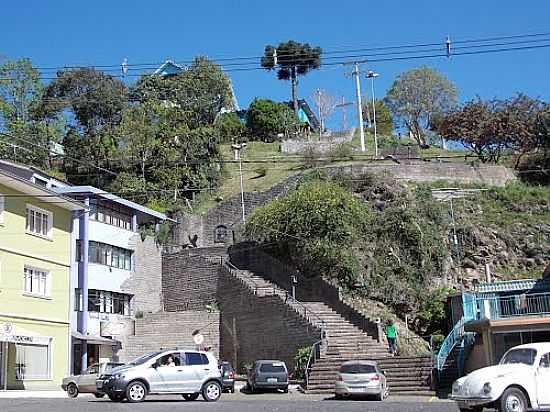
<point>294,89</point>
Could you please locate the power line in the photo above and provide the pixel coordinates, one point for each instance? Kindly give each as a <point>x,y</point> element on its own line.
<point>366,57</point>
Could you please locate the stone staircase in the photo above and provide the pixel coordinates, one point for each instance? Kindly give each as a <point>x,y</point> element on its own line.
<point>406,376</point>
<point>344,341</point>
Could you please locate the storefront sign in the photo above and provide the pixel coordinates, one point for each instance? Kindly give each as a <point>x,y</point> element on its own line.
<point>13,334</point>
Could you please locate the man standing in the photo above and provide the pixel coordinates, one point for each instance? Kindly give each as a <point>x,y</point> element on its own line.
<point>391,335</point>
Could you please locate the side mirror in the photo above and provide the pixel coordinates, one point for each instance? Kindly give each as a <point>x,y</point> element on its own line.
<point>155,365</point>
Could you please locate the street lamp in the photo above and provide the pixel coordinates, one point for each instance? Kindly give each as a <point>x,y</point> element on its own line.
<point>371,75</point>
<point>237,148</point>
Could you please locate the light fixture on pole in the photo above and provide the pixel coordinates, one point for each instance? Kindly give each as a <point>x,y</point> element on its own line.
<point>372,75</point>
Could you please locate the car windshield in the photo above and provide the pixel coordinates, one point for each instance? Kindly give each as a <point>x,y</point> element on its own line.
<point>357,368</point>
<point>142,359</point>
<point>525,356</point>
<point>272,368</point>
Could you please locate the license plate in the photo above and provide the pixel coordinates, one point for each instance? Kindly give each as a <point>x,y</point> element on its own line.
<point>99,384</point>
<point>271,380</point>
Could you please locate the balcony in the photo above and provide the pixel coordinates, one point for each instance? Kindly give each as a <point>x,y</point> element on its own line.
<point>505,307</point>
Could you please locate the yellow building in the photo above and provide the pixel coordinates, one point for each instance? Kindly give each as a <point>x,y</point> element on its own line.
<point>35,258</point>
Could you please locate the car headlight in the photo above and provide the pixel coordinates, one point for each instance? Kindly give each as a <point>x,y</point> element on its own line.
<point>118,376</point>
<point>486,390</point>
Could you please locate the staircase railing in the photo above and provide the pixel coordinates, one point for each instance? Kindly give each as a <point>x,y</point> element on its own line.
<point>451,340</point>
<point>314,354</point>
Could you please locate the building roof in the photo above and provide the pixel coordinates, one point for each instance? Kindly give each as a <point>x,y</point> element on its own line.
<point>39,192</point>
<point>302,104</point>
<point>73,190</point>
<point>513,285</point>
<point>169,68</point>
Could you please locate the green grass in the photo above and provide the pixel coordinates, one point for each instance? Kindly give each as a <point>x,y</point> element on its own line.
<point>267,167</point>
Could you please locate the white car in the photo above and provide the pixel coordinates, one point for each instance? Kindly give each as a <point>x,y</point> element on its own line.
<point>520,381</point>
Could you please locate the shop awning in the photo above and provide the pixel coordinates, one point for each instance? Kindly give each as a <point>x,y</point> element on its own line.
<point>95,340</point>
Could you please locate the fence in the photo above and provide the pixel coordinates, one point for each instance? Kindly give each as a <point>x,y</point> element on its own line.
<point>502,307</point>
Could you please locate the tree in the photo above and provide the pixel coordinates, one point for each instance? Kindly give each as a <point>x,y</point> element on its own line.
<point>230,128</point>
<point>94,98</point>
<point>201,91</point>
<point>20,86</point>
<point>315,226</point>
<point>326,105</point>
<point>266,119</point>
<point>418,95</point>
<point>490,127</point>
<point>293,60</point>
<point>384,119</point>
<point>95,102</point>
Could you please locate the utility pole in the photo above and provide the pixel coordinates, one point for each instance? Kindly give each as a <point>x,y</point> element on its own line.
<point>320,113</point>
<point>356,73</point>
<point>372,75</point>
<point>343,106</point>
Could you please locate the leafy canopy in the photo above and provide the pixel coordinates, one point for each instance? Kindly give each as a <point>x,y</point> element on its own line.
<point>265,119</point>
<point>416,96</point>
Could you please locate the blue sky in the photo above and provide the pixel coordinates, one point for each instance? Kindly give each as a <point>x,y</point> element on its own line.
<point>57,33</point>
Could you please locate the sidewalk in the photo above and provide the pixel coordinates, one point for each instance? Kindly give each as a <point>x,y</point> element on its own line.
<point>53,394</point>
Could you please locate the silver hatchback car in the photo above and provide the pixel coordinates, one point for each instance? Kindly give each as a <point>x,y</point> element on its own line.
<point>361,378</point>
<point>187,372</point>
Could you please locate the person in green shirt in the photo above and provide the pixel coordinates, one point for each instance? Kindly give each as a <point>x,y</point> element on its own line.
<point>391,335</point>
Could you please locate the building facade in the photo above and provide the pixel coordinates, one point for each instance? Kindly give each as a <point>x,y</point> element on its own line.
<point>35,262</point>
<point>115,269</point>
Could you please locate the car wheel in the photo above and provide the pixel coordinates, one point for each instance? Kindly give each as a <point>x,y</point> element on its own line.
<point>116,397</point>
<point>99,395</point>
<point>136,392</point>
<point>72,390</point>
<point>190,396</point>
<point>211,391</point>
<point>338,397</point>
<point>513,400</point>
<point>232,389</point>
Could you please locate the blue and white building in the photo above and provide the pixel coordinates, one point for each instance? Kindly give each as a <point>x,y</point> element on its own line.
<point>116,270</point>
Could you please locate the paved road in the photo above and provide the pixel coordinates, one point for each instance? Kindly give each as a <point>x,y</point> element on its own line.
<point>228,403</point>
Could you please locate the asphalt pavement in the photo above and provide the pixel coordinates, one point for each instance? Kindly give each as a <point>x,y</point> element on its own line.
<point>238,402</point>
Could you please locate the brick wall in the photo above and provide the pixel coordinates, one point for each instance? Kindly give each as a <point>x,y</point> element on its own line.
<point>189,282</point>
<point>170,330</point>
<point>265,327</point>
<point>146,281</point>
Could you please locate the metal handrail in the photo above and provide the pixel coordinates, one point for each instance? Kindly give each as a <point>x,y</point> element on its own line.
<point>449,343</point>
<point>311,359</point>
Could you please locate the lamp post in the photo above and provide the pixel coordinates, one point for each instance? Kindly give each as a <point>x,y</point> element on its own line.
<point>237,148</point>
<point>372,75</point>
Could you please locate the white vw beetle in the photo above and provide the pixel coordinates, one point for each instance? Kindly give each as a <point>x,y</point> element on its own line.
<point>520,381</point>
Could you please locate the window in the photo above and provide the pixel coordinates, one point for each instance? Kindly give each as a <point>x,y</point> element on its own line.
<point>357,368</point>
<point>36,282</point>
<point>109,255</point>
<point>39,222</point>
<point>103,301</point>
<point>545,361</point>
<point>32,361</point>
<point>272,367</point>
<point>194,358</point>
<point>78,299</point>
<point>111,213</point>
<point>220,234</point>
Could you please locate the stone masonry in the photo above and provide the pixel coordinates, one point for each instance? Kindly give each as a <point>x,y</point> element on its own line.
<point>165,330</point>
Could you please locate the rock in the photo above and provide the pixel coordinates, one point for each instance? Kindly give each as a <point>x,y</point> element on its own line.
<point>468,263</point>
